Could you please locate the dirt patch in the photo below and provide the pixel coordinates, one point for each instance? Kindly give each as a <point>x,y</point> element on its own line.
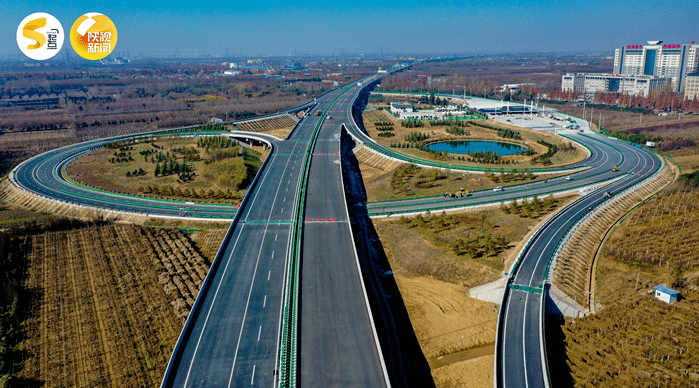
<point>456,322</point>
<point>687,158</point>
<point>281,133</point>
<point>475,373</point>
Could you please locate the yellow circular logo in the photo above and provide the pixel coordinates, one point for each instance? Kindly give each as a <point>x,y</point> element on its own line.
<point>93,36</point>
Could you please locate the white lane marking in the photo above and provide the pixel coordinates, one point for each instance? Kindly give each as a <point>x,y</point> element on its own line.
<point>259,333</point>
<point>524,340</point>
<point>282,211</point>
<point>284,199</point>
<point>247,304</point>
<point>272,255</point>
<point>206,321</point>
<point>287,190</point>
<point>264,303</point>
<point>268,275</point>
<point>252,380</point>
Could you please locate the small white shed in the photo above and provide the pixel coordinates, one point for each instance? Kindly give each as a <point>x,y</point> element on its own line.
<point>667,295</point>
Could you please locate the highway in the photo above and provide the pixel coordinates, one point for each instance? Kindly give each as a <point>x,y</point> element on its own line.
<point>233,336</point>
<point>41,175</point>
<point>338,344</point>
<point>595,169</point>
<point>520,354</point>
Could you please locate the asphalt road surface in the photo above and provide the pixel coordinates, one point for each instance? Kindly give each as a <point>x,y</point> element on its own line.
<point>520,336</point>
<point>233,335</point>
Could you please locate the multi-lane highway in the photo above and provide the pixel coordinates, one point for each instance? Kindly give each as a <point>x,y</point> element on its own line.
<point>233,336</point>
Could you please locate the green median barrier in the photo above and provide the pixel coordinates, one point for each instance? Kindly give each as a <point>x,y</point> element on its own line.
<point>290,313</point>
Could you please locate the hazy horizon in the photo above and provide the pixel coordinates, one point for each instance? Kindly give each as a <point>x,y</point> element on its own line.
<point>271,28</point>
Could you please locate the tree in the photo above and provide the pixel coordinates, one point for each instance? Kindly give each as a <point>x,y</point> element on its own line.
<point>157,169</point>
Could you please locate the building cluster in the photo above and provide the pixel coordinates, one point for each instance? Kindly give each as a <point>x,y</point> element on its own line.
<point>406,111</point>
<point>640,69</point>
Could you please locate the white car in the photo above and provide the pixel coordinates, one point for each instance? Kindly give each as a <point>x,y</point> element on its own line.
<point>499,188</point>
<point>569,178</point>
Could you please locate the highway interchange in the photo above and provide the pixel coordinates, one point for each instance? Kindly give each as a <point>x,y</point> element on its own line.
<point>233,335</point>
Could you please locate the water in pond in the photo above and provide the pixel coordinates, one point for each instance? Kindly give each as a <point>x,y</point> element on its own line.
<point>463,147</point>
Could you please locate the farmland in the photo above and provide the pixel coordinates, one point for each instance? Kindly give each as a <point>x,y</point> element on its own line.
<point>636,339</point>
<point>105,303</point>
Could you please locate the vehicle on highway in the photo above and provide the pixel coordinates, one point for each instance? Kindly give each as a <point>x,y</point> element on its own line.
<point>569,178</point>
<point>462,193</point>
<point>615,169</point>
<point>499,188</point>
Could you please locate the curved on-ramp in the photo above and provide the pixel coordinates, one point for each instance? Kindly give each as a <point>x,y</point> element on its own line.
<point>246,283</point>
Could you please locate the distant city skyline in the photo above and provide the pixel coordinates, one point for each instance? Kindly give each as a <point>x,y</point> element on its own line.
<point>270,28</point>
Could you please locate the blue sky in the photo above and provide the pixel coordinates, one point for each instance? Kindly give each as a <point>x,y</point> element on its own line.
<point>449,27</point>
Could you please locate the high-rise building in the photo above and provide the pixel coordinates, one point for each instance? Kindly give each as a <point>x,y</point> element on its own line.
<point>691,87</point>
<point>674,61</point>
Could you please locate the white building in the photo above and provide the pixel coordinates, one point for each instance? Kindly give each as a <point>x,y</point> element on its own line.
<point>667,295</point>
<point>398,107</point>
<point>691,87</point>
<point>675,61</point>
<point>589,84</point>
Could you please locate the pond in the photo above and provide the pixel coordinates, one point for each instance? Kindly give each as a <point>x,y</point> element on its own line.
<point>464,147</point>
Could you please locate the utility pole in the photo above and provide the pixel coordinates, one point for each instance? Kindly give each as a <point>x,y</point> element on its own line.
<point>637,277</point>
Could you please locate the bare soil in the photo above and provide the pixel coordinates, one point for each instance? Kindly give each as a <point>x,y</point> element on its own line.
<point>473,373</point>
